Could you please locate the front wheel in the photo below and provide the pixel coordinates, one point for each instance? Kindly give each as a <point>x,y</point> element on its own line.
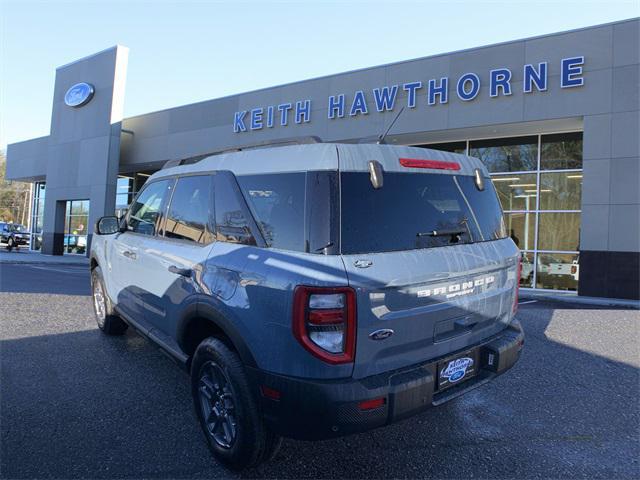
<point>227,409</point>
<point>107,321</point>
<point>10,244</point>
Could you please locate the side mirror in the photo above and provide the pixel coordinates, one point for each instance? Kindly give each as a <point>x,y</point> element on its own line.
<point>107,226</point>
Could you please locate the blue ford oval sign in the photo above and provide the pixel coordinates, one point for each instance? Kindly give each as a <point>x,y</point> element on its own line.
<point>79,94</point>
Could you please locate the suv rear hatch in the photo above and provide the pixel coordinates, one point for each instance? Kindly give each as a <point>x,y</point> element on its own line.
<point>428,256</point>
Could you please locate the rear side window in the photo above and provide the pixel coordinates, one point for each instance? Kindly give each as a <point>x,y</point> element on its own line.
<point>188,217</point>
<point>232,224</point>
<point>415,211</point>
<point>277,202</point>
<point>143,214</point>
<point>295,211</point>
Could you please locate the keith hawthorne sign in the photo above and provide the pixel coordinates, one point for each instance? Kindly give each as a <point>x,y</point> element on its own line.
<point>433,92</point>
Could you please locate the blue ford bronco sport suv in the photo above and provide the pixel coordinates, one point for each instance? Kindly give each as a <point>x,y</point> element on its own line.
<point>314,290</point>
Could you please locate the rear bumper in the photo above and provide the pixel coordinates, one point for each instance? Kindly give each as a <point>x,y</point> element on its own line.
<point>315,409</point>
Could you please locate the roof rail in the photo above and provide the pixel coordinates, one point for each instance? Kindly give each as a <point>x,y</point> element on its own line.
<point>304,140</point>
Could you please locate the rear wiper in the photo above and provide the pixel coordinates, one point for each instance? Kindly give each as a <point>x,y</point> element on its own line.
<point>325,248</point>
<point>453,232</point>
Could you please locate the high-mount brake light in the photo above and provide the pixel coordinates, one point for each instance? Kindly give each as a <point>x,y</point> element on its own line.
<point>434,164</point>
<point>324,322</point>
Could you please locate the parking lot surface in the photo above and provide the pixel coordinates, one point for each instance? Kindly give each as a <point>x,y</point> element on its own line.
<point>77,404</point>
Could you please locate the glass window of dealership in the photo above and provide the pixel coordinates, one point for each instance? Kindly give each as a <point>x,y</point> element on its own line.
<point>538,179</point>
<point>539,182</point>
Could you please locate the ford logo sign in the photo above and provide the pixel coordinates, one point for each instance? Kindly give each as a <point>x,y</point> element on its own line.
<point>79,94</point>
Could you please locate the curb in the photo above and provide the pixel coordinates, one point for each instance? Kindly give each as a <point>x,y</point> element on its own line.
<point>599,301</point>
<point>66,264</point>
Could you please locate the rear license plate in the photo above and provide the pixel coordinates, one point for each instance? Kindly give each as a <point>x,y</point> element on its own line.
<point>455,370</point>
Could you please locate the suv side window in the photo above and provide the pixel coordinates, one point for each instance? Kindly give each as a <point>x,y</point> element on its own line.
<point>143,214</point>
<point>188,217</point>
<point>232,224</point>
<point>277,202</point>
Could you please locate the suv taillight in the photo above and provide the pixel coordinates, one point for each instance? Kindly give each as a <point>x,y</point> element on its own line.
<point>518,275</point>
<point>324,322</point>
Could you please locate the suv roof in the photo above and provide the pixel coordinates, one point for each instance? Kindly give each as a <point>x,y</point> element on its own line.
<point>324,156</point>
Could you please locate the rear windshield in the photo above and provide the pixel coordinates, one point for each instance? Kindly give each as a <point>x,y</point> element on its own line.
<point>416,210</point>
<point>304,211</point>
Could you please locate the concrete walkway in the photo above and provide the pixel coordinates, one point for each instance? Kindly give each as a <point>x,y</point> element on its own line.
<point>29,257</point>
<point>572,297</point>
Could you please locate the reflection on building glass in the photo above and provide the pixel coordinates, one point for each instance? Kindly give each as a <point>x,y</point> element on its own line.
<point>561,151</point>
<point>559,231</point>
<point>76,227</point>
<point>521,227</point>
<point>514,154</point>
<point>558,271</point>
<point>516,192</point>
<point>560,191</point>
<point>527,269</point>
<point>37,215</point>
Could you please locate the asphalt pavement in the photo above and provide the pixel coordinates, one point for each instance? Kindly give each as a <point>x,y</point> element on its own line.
<point>77,404</point>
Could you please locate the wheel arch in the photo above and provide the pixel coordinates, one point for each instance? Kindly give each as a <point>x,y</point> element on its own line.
<point>202,320</point>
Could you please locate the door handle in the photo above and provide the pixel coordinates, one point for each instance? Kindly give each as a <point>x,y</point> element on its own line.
<point>185,272</point>
<point>129,254</point>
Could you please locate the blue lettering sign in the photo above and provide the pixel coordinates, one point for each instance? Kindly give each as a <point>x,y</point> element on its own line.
<point>238,122</point>
<point>464,93</point>
<point>270,115</point>
<point>256,118</point>
<point>439,90</point>
<point>336,106</point>
<point>411,88</point>
<point>537,77</point>
<point>303,111</point>
<point>467,87</point>
<point>500,78</point>
<point>359,104</point>
<point>385,98</point>
<point>571,71</point>
<point>284,108</point>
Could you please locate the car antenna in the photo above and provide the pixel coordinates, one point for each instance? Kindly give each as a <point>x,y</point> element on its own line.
<point>383,136</point>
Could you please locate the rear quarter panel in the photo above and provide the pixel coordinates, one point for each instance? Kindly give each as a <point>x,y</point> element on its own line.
<point>260,305</point>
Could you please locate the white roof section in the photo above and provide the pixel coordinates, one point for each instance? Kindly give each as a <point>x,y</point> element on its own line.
<point>324,156</point>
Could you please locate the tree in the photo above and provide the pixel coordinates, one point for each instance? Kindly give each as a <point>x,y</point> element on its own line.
<point>14,196</point>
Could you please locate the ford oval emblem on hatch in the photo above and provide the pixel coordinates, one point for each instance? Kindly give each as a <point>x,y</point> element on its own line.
<point>381,334</point>
<point>79,94</point>
<point>362,263</point>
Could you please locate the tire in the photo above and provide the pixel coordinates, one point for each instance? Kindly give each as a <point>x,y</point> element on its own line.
<point>107,321</point>
<point>10,244</point>
<point>236,435</point>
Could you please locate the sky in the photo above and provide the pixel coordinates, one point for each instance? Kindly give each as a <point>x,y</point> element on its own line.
<point>183,52</point>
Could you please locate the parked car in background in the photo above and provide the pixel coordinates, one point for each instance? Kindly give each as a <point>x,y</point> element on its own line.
<point>13,235</point>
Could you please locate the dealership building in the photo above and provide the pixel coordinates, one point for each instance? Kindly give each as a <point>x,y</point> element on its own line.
<point>554,118</point>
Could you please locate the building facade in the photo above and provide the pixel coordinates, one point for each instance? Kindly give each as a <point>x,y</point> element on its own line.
<point>554,118</point>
